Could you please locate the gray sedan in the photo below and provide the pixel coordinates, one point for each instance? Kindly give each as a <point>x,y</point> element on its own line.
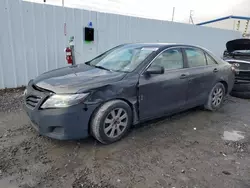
<point>124,86</point>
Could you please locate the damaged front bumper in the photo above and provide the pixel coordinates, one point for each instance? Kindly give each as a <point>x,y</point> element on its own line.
<point>242,76</point>
<point>242,70</point>
<point>63,124</point>
<point>58,123</point>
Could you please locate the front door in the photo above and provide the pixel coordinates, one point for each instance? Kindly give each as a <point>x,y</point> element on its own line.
<point>164,93</point>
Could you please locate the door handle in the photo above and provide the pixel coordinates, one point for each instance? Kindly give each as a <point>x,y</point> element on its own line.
<point>184,75</point>
<point>215,70</point>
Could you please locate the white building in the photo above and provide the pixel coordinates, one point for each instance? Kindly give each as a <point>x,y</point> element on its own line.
<point>34,37</point>
<point>238,23</point>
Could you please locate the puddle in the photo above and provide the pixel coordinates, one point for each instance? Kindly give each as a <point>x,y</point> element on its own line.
<point>233,135</point>
<point>8,182</point>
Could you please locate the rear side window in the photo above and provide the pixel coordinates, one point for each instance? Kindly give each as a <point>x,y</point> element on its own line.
<point>195,57</point>
<point>210,61</point>
<point>169,59</point>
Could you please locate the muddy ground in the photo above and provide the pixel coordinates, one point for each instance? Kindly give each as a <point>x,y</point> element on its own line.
<point>193,149</point>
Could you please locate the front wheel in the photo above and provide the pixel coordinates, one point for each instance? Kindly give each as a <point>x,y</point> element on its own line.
<point>111,121</point>
<point>216,97</point>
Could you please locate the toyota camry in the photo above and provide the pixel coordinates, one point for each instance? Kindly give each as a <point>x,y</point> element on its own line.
<point>125,86</point>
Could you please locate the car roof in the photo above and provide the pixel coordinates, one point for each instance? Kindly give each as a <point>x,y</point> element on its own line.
<point>159,45</point>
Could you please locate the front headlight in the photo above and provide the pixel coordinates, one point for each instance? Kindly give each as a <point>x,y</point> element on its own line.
<point>62,101</point>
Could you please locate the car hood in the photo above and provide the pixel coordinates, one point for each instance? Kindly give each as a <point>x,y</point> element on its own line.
<point>74,79</point>
<point>238,44</point>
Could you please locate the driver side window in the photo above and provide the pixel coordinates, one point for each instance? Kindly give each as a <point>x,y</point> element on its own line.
<point>169,59</point>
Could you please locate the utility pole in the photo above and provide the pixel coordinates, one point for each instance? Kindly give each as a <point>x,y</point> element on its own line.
<point>191,17</point>
<point>62,2</point>
<point>246,27</point>
<point>173,14</point>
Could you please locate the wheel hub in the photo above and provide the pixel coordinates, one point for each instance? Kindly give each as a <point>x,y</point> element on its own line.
<point>116,122</point>
<point>217,96</point>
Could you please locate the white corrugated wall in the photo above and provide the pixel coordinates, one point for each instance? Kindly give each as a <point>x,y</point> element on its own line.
<point>32,37</point>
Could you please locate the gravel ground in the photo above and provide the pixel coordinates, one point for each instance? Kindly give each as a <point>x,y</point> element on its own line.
<point>193,149</point>
<point>11,99</point>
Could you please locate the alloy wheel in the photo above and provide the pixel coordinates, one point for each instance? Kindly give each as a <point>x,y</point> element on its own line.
<point>115,123</point>
<point>217,96</point>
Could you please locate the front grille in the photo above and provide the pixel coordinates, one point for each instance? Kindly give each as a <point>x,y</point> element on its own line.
<point>244,66</point>
<point>32,101</point>
<point>244,58</point>
<point>243,75</point>
<point>239,64</point>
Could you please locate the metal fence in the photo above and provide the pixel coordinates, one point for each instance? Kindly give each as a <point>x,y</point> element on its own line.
<point>33,37</point>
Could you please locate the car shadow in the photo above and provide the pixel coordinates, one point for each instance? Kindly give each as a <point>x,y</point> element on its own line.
<point>145,126</point>
<point>178,119</point>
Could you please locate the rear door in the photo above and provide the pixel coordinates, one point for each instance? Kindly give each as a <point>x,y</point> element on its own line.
<point>164,93</point>
<point>203,71</point>
<point>214,68</point>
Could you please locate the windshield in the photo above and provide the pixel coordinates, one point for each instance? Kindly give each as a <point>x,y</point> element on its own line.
<point>122,59</point>
<point>242,51</point>
<point>237,53</point>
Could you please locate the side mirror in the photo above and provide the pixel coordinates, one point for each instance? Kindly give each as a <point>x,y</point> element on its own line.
<point>155,70</point>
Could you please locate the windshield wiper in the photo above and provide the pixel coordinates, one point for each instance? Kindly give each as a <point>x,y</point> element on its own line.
<point>100,67</point>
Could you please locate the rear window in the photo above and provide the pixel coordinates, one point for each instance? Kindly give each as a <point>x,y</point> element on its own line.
<point>195,57</point>
<point>241,52</point>
<point>210,60</point>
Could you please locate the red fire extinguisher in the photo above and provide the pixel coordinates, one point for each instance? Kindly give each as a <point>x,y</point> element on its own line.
<point>69,57</point>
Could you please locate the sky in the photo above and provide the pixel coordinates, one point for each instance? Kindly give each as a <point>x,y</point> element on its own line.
<point>202,10</point>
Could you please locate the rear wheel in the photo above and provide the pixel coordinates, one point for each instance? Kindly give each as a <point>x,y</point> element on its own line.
<point>111,121</point>
<point>216,97</point>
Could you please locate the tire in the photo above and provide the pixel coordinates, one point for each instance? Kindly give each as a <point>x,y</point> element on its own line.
<point>215,97</point>
<point>107,126</point>
<point>239,94</point>
<point>240,87</point>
